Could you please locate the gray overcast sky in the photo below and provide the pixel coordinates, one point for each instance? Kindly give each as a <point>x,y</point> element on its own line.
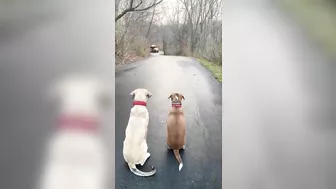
<point>166,8</point>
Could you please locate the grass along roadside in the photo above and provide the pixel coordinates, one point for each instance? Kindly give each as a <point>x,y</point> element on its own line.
<point>318,17</point>
<point>214,68</point>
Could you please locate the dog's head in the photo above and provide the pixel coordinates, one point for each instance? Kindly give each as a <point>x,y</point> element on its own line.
<point>176,97</point>
<point>141,94</point>
<point>81,94</point>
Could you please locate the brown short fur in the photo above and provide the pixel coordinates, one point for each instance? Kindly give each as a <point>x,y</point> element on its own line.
<point>176,126</point>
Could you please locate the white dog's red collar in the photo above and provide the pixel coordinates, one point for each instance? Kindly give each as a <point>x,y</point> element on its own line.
<point>78,122</point>
<point>177,105</point>
<point>139,103</point>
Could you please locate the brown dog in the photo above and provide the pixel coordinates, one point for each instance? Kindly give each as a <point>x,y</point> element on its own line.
<point>176,127</point>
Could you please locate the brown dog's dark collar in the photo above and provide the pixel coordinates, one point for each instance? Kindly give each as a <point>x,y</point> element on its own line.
<point>78,122</point>
<point>177,105</point>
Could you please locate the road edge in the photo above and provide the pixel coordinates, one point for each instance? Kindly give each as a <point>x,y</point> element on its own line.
<point>213,68</point>
<point>131,65</point>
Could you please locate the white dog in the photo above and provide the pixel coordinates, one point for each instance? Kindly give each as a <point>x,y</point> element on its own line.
<point>76,157</point>
<point>135,144</point>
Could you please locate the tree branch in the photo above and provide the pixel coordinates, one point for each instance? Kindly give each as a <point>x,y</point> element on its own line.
<point>123,13</point>
<point>132,9</point>
<point>138,5</point>
<point>154,4</point>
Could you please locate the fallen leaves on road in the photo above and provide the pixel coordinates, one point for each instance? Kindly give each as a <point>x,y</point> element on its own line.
<point>127,59</point>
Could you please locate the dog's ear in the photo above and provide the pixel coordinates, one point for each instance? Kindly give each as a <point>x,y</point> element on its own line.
<point>132,93</point>
<point>183,97</point>
<point>171,96</point>
<point>149,94</point>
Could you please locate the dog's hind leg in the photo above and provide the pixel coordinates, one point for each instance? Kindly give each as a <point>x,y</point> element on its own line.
<point>147,154</point>
<point>145,159</point>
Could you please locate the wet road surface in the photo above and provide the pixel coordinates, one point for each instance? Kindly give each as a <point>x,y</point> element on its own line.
<point>163,75</point>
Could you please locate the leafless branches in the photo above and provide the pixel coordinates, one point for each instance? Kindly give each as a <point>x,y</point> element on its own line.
<point>133,8</point>
<point>179,27</point>
<point>196,26</point>
<point>136,29</point>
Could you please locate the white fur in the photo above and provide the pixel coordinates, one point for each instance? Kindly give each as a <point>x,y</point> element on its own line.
<point>76,160</point>
<point>180,166</point>
<point>135,144</point>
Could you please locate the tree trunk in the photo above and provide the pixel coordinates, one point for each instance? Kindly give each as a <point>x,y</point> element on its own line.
<point>150,23</point>
<point>164,46</point>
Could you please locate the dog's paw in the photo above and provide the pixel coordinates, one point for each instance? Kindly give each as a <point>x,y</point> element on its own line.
<point>184,147</point>
<point>148,155</point>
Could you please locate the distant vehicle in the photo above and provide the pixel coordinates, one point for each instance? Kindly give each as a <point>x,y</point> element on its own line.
<point>154,49</point>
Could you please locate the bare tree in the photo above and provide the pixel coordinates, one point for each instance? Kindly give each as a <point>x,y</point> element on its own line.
<point>136,29</point>
<point>178,27</point>
<point>182,27</point>
<point>196,27</point>
<point>133,8</point>
<point>150,23</point>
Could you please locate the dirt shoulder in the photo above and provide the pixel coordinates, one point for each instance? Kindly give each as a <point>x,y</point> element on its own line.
<point>128,59</point>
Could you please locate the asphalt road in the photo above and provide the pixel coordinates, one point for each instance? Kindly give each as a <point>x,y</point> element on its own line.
<point>163,75</point>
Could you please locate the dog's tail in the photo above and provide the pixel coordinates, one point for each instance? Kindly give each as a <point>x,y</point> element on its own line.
<point>137,172</point>
<point>178,157</point>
